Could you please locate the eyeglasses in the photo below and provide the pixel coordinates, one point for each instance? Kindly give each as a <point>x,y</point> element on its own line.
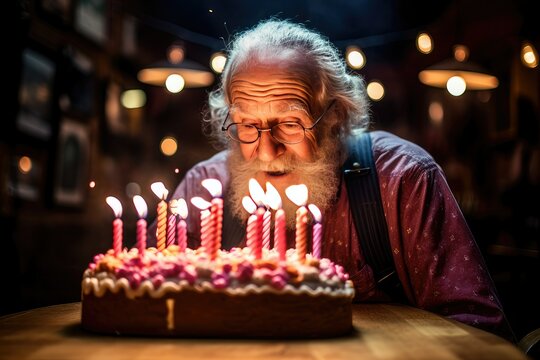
<point>285,132</point>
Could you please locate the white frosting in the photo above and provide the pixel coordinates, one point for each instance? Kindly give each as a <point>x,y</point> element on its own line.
<point>103,282</point>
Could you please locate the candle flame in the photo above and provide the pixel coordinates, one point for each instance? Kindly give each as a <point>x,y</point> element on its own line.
<point>272,196</point>
<point>115,205</point>
<point>179,207</point>
<point>213,186</point>
<point>256,192</point>
<point>160,190</point>
<point>298,194</point>
<point>140,205</point>
<point>249,205</point>
<point>200,203</point>
<point>173,206</point>
<point>317,216</point>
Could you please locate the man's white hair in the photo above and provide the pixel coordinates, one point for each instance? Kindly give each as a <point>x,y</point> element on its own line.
<point>332,82</point>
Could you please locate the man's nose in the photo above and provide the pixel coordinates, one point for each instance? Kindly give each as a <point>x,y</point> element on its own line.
<point>268,148</point>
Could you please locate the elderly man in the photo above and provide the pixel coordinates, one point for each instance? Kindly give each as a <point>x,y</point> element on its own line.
<point>284,109</point>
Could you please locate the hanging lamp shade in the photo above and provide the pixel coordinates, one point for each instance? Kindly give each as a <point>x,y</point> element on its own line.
<point>475,77</point>
<point>195,75</point>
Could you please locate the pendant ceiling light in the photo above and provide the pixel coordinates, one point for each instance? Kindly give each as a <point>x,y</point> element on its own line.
<point>475,77</point>
<point>193,74</point>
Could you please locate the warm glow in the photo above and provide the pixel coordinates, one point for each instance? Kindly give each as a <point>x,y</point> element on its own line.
<point>160,190</point>
<point>461,53</point>
<point>213,186</point>
<point>218,61</point>
<point>317,216</point>
<point>355,57</point>
<point>298,194</point>
<point>175,83</point>
<point>529,55</point>
<point>272,196</point>
<point>475,80</point>
<point>175,54</point>
<point>140,205</point>
<point>424,43</point>
<point>375,90</point>
<point>168,146</point>
<point>436,112</point>
<point>248,204</point>
<point>92,184</point>
<point>456,85</point>
<point>200,203</point>
<point>176,171</point>
<point>133,99</point>
<point>25,164</point>
<point>115,205</point>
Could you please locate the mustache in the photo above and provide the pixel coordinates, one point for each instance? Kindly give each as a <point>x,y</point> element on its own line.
<point>285,163</point>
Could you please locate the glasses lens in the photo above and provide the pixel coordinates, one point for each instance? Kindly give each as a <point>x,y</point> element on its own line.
<point>243,133</point>
<point>288,132</point>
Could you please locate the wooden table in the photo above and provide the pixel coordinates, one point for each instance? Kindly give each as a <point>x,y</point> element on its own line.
<point>383,331</point>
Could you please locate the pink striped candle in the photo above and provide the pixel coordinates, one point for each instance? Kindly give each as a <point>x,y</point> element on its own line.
<point>280,237</point>
<point>181,233</point>
<point>118,225</point>
<point>207,225</point>
<point>181,226</point>
<point>171,230</point>
<point>207,232</point>
<point>217,214</point>
<point>251,234</point>
<point>266,230</point>
<point>142,210</point>
<point>214,187</point>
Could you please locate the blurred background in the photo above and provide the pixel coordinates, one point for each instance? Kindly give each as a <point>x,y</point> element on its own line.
<point>92,111</point>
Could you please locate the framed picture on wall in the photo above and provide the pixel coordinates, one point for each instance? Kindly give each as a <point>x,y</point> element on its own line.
<point>72,164</point>
<point>36,94</point>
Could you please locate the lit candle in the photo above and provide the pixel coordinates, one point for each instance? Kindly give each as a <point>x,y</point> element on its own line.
<point>253,229</point>
<point>161,231</point>
<point>207,225</point>
<point>142,210</point>
<point>298,194</point>
<point>280,237</point>
<point>181,227</point>
<point>171,224</point>
<point>317,230</point>
<point>258,195</point>
<point>215,188</point>
<point>115,205</point>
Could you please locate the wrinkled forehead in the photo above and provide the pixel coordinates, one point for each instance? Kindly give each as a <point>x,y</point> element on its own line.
<point>277,83</point>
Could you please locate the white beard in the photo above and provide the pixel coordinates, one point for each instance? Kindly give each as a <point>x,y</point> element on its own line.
<point>320,176</point>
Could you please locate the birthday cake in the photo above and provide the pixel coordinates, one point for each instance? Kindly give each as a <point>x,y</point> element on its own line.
<point>183,293</point>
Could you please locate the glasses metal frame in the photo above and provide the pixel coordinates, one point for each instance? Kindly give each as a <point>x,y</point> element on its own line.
<point>259,131</point>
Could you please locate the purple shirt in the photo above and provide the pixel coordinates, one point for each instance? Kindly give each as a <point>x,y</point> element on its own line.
<point>437,259</point>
